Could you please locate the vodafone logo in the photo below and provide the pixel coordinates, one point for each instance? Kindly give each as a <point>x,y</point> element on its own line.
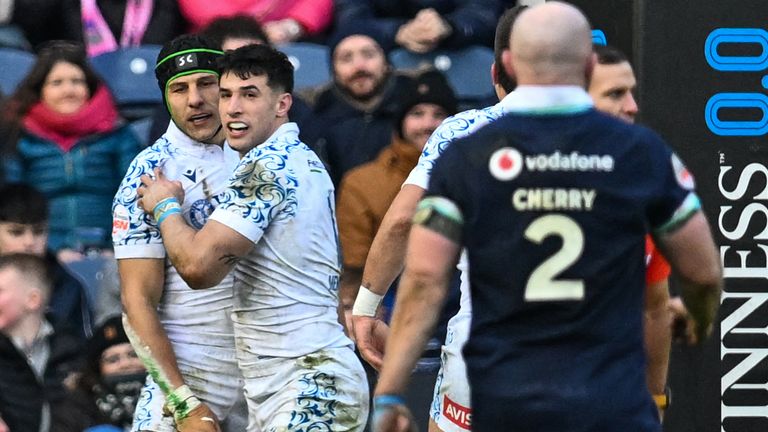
<point>506,163</point>
<point>683,176</point>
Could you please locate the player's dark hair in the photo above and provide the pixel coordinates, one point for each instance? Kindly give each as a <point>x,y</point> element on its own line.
<point>608,55</point>
<point>501,43</point>
<point>257,60</point>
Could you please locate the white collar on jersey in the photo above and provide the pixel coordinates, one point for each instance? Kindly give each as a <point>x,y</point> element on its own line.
<point>528,99</point>
<point>175,136</point>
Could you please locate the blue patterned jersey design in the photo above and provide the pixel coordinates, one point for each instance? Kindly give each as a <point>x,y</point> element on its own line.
<point>317,402</point>
<point>452,128</point>
<point>263,187</point>
<point>141,227</point>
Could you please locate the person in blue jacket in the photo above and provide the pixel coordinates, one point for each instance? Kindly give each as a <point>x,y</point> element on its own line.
<point>66,138</point>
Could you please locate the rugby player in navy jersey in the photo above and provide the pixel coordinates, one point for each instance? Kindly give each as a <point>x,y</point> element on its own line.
<point>552,203</point>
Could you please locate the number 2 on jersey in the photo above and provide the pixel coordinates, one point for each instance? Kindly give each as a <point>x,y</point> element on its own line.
<point>542,285</point>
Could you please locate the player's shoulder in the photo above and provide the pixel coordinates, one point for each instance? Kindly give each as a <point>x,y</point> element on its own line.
<point>466,122</point>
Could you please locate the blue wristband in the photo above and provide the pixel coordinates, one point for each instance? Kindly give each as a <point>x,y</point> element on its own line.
<point>387,400</point>
<point>166,213</point>
<point>383,403</point>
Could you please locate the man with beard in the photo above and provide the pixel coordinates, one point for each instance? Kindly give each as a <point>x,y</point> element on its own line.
<point>358,109</point>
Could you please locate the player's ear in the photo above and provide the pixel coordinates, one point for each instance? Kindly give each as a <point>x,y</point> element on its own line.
<point>506,60</point>
<point>284,102</point>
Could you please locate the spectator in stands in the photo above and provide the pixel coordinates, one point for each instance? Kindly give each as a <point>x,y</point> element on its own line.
<point>284,21</point>
<point>358,109</point>
<point>35,357</point>
<point>422,26</point>
<point>68,141</point>
<point>230,33</point>
<point>111,378</point>
<point>24,229</point>
<point>367,191</point>
<point>106,25</point>
<point>38,20</point>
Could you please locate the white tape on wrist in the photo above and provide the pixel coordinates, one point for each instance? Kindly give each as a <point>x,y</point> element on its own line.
<point>366,303</point>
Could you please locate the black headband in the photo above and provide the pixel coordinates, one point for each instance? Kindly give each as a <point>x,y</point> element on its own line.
<point>186,62</point>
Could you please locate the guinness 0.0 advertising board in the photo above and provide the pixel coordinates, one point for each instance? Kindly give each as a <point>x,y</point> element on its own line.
<point>702,68</point>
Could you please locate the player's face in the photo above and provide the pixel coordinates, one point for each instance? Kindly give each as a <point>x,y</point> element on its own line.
<point>65,90</point>
<point>611,88</point>
<point>359,66</point>
<point>420,121</point>
<point>193,100</point>
<point>14,298</point>
<point>120,359</point>
<point>250,110</point>
<point>23,238</point>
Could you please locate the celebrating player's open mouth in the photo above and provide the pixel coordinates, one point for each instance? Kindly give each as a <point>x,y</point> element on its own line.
<point>236,129</point>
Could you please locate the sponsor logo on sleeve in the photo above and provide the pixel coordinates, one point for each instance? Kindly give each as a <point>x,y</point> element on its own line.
<point>120,222</point>
<point>683,176</point>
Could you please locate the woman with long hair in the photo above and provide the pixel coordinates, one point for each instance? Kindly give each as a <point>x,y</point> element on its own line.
<point>66,138</point>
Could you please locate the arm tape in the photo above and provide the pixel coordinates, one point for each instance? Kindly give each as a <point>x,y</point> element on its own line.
<point>440,215</point>
<point>181,402</point>
<point>366,302</point>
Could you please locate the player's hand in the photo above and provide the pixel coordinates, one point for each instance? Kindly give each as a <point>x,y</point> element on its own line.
<point>200,419</point>
<point>154,190</point>
<point>370,336</point>
<point>684,327</point>
<point>395,418</point>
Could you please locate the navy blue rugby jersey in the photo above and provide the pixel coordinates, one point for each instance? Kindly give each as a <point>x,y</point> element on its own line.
<point>555,211</point>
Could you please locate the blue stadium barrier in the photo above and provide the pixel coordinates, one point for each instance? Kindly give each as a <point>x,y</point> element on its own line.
<point>468,70</point>
<point>14,66</point>
<point>129,73</point>
<point>311,63</point>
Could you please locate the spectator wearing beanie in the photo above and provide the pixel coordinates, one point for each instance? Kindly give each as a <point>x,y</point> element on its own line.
<point>111,378</point>
<point>367,191</point>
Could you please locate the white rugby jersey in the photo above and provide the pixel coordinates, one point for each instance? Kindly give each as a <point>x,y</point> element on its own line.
<point>188,316</point>
<point>286,289</point>
<point>453,128</point>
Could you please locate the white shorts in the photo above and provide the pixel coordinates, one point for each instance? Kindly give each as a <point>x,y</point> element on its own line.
<point>212,375</point>
<point>325,391</point>
<point>451,408</point>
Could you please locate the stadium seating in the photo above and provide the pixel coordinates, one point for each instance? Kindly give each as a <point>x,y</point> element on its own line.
<point>90,272</point>
<point>129,74</point>
<point>14,65</point>
<point>311,63</point>
<point>468,70</point>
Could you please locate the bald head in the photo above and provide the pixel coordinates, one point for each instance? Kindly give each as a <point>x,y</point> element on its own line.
<point>551,44</point>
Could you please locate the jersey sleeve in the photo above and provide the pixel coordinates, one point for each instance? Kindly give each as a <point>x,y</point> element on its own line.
<point>262,190</point>
<point>451,129</point>
<point>658,268</point>
<point>674,198</point>
<point>134,232</point>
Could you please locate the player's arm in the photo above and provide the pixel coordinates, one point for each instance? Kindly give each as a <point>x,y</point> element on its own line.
<point>202,258</point>
<point>433,250</point>
<point>383,264</point>
<point>658,337</point>
<point>141,281</point>
<point>690,249</point>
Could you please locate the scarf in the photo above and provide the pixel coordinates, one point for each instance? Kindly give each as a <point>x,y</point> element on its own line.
<point>98,115</point>
<point>99,38</point>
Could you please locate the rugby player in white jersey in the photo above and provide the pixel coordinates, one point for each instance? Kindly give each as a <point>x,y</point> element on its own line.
<point>275,225</point>
<point>184,337</point>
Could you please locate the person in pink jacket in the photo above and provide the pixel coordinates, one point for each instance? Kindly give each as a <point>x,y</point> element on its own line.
<point>283,20</point>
